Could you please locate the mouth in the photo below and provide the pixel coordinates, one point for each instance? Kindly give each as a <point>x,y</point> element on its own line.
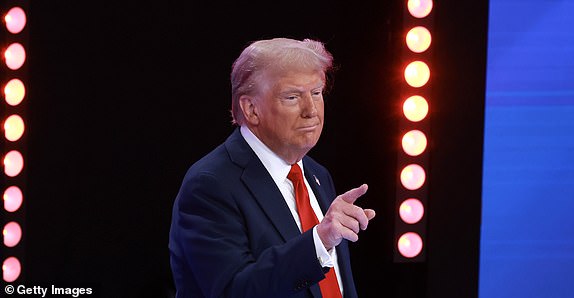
<point>309,128</point>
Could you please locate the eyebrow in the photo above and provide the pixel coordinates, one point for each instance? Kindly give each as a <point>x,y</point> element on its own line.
<point>295,89</point>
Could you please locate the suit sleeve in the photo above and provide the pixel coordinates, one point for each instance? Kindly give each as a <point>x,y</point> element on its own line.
<point>213,239</point>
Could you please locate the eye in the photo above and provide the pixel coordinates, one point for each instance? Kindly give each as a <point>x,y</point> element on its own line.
<point>317,93</point>
<point>290,97</point>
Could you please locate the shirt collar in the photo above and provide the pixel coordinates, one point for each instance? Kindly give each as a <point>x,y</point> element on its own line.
<point>275,165</point>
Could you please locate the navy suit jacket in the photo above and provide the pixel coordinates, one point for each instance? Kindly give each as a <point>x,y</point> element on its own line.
<point>232,234</point>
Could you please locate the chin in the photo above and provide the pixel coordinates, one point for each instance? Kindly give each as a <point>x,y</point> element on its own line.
<point>308,145</point>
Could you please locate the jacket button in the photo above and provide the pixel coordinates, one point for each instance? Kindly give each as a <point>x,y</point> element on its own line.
<point>302,285</point>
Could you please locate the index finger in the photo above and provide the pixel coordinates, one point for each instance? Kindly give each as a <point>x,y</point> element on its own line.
<point>352,195</point>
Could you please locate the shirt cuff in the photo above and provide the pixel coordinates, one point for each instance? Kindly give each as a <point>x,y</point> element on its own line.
<point>325,257</point>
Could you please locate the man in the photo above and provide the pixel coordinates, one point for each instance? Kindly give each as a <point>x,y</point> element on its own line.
<point>245,222</point>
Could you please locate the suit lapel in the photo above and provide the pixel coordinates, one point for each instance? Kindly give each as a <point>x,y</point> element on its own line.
<point>318,190</point>
<point>268,195</point>
<point>262,186</point>
<point>325,197</point>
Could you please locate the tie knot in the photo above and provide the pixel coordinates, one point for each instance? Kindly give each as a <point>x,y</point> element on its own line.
<point>295,175</point>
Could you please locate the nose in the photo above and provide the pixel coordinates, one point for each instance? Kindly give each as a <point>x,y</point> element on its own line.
<point>308,106</point>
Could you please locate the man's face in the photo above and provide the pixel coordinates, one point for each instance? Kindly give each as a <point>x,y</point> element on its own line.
<point>289,105</point>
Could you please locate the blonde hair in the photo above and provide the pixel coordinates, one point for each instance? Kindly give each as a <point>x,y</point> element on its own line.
<point>273,53</point>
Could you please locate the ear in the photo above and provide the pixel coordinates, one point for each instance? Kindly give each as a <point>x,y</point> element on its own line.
<point>249,109</point>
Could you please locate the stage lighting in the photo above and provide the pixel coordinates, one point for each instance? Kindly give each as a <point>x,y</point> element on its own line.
<point>410,244</point>
<point>418,39</point>
<point>11,269</point>
<point>12,234</point>
<point>415,108</point>
<point>414,131</point>
<point>419,8</point>
<point>15,55</point>
<point>413,177</point>
<point>13,163</point>
<point>12,198</point>
<point>14,92</point>
<point>13,81</point>
<point>414,142</point>
<point>15,20</point>
<point>417,74</point>
<point>13,128</point>
<point>411,211</point>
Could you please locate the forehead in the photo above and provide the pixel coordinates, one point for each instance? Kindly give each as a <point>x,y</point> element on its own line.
<point>298,77</point>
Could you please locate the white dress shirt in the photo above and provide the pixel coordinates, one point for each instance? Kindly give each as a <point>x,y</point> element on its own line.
<point>279,169</point>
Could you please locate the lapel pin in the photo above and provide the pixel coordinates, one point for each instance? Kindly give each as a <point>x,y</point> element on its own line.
<point>317,180</point>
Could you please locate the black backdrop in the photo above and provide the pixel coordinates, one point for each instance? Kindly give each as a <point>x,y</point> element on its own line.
<point>125,96</point>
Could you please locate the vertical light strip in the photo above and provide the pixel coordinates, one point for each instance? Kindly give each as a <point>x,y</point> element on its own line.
<point>12,111</point>
<point>413,155</point>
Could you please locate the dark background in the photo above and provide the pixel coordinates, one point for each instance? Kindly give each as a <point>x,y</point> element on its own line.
<point>125,96</point>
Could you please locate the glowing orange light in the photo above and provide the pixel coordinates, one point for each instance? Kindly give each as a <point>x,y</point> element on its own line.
<point>411,211</point>
<point>11,269</point>
<point>415,108</point>
<point>13,163</point>
<point>12,198</point>
<point>14,128</point>
<point>418,39</point>
<point>15,20</point>
<point>12,234</point>
<point>420,8</point>
<point>417,74</point>
<point>414,142</point>
<point>410,245</point>
<point>15,56</point>
<point>413,177</point>
<point>14,92</point>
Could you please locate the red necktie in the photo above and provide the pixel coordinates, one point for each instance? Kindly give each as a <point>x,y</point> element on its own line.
<point>329,286</point>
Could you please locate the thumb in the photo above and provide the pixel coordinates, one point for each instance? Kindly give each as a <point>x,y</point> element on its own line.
<point>370,213</point>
